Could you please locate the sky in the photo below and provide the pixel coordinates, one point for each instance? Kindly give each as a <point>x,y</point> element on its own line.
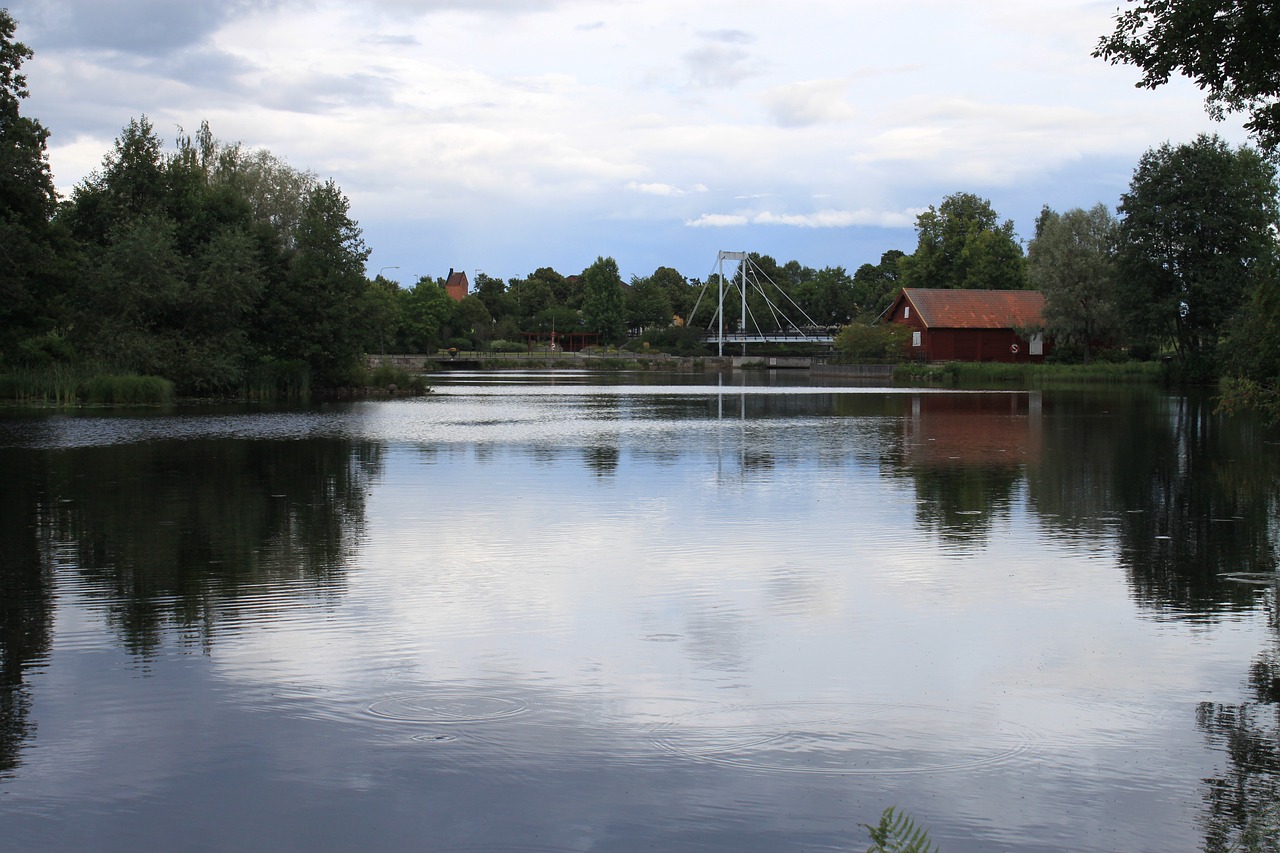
<point>501,136</point>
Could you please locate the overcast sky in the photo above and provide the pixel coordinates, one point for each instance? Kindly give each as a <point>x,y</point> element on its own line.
<point>507,135</point>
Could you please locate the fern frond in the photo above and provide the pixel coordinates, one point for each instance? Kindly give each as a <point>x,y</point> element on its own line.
<point>898,833</point>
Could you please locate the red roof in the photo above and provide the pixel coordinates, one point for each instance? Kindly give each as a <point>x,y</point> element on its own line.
<point>976,309</point>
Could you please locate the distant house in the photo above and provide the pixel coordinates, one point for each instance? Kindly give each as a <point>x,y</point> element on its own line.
<point>456,285</point>
<point>972,325</point>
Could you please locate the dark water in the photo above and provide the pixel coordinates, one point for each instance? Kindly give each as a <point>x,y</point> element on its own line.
<point>567,613</point>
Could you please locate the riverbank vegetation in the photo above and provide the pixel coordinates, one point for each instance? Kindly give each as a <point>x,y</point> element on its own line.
<point>224,271</point>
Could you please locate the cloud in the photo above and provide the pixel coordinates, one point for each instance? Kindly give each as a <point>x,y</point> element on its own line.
<point>808,103</point>
<point>664,189</point>
<point>728,36</point>
<point>719,66</point>
<point>718,220</point>
<point>149,28</point>
<point>817,219</point>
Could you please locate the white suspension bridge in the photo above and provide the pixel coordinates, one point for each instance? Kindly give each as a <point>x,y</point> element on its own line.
<point>775,323</point>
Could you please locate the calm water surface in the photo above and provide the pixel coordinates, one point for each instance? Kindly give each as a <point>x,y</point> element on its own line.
<point>567,612</point>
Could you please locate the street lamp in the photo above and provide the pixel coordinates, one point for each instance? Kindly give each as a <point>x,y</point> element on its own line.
<point>386,268</point>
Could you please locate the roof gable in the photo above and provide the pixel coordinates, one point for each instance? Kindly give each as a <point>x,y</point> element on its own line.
<point>976,309</point>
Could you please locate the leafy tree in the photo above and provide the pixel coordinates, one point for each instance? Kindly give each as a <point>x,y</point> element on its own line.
<point>472,319</point>
<point>131,184</point>
<point>1196,235</point>
<point>383,313</point>
<point>533,295</point>
<point>681,293</point>
<point>962,244</point>
<point>603,302</point>
<point>1071,260</point>
<point>30,269</point>
<point>309,315</point>
<point>426,311</point>
<point>828,297</point>
<point>276,192</point>
<point>876,285</point>
<point>1226,47</point>
<point>493,293</point>
<point>648,304</point>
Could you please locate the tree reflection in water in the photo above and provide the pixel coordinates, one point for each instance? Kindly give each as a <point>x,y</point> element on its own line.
<point>26,602</point>
<point>171,534</point>
<point>1244,801</point>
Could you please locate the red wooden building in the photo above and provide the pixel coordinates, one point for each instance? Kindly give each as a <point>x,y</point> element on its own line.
<point>972,325</point>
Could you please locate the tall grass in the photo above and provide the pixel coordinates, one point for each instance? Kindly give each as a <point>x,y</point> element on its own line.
<point>60,385</point>
<point>278,380</point>
<point>977,374</point>
<point>127,390</point>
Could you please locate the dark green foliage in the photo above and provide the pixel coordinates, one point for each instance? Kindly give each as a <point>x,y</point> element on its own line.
<point>1226,47</point>
<point>33,273</point>
<point>1195,242</point>
<point>897,833</point>
<point>603,303</point>
<point>876,285</point>
<point>963,244</point>
<point>648,304</point>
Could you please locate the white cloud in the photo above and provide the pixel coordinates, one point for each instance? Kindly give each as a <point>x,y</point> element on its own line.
<point>667,190</point>
<point>718,220</point>
<point>809,103</point>
<point>817,219</point>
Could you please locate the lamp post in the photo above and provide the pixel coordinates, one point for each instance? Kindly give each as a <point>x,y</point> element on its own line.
<point>386,268</point>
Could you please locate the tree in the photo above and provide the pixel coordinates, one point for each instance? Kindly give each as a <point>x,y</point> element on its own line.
<point>876,285</point>
<point>29,267</point>
<point>1196,235</point>
<point>648,304</point>
<point>603,302</point>
<point>1071,261</point>
<point>1226,47</point>
<point>309,316</point>
<point>962,244</point>
<point>426,310</point>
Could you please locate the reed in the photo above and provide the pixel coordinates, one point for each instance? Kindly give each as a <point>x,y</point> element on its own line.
<point>63,385</point>
<point>126,390</point>
<point>278,380</point>
<point>976,374</point>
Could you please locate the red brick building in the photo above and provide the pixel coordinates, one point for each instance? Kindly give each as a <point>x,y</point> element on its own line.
<point>972,325</point>
<point>456,285</point>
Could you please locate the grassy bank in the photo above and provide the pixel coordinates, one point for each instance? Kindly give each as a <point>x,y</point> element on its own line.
<point>979,374</point>
<point>62,386</point>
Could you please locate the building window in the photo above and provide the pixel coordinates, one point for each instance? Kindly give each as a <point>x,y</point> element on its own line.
<point>1037,344</point>
<point>915,339</point>
<point>906,311</point>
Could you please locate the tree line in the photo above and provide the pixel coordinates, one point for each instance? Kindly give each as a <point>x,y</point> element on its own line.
<point>222,268</point>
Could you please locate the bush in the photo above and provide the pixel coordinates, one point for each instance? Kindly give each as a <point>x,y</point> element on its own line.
<point>127,390</point>
<point>860,343</point>
<point>507,346</point>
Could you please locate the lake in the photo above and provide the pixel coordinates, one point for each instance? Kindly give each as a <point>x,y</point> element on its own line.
<point>582,612</point>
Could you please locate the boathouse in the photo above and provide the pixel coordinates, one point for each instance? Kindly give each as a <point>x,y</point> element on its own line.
<point>972,325</point>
